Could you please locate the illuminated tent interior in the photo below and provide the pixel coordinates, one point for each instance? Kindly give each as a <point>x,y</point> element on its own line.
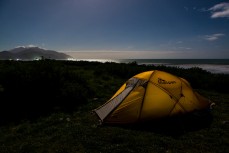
<point>151,95</point>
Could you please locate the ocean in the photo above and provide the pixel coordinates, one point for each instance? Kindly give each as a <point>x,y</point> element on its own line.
<point>211,65</point>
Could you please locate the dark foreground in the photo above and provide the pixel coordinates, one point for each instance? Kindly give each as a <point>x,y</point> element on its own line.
<point>46,107</point>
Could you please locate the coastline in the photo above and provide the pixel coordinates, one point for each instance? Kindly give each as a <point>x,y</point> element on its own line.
<point>211,65</point>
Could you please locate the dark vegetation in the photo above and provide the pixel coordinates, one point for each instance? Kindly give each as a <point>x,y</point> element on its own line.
<point>45,106</point>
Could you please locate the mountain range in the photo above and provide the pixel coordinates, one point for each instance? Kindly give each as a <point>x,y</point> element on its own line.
<point>32,53</point>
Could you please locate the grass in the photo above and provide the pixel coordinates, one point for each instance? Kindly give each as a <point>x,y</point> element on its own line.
<point>78,131</point>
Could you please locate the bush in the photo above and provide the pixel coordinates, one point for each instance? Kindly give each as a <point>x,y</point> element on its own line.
<point>34,88</point>
<point>37,88</point>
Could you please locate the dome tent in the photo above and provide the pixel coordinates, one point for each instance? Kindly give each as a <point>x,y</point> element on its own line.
<point>151,95</point>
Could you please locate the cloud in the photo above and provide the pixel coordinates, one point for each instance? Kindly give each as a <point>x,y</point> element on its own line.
<point>179,42</point>
<point>213,37</point>
<point>31,45</point>
<point>186,8</point>
<point>27,46</point>
<point>220,10</point>
<point>185,48</point>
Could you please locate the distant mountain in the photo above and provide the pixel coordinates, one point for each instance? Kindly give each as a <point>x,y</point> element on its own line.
<point>32,53</point>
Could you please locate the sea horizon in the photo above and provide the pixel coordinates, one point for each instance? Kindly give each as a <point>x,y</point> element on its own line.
<point>211,65</point>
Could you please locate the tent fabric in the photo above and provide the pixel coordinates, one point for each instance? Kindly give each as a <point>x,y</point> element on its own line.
<point>104,110</point>
<point>151,95</point>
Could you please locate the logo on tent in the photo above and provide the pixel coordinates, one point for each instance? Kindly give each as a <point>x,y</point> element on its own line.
<point>162,81</point>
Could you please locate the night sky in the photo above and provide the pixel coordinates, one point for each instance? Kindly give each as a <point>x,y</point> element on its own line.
<point>164,28</point>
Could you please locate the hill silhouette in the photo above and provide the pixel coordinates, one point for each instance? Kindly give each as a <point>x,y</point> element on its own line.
<point>32,53</point>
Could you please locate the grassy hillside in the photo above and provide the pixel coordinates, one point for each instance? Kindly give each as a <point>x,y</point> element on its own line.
<point>46,107</point>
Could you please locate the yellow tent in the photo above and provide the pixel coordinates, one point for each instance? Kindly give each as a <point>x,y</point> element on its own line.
<point>151,95</point>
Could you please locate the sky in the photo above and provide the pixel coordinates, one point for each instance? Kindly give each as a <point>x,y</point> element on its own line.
<point>118,28</point>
